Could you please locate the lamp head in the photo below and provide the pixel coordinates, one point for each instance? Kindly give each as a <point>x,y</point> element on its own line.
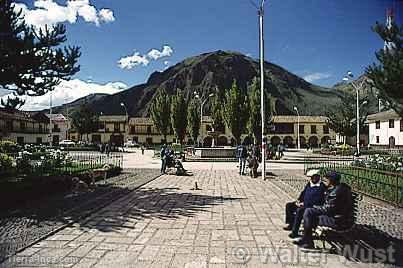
<point>211,95</point>
<point>122,104</point>
<point>295,108</point>
<point>350,74</point>
<point>345,79</point>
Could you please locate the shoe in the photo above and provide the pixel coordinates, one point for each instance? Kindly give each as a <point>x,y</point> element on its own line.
<point>306,247</point>
<point>293,235</point>
<point>299,242</point>
<point>287,228</point>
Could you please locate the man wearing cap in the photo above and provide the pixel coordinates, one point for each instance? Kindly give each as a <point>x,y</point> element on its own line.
<point>313,194</point>
<point>336,212</point>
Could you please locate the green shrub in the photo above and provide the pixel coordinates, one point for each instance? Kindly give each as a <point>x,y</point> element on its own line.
<point>6,163</point>
<point>8,147</point>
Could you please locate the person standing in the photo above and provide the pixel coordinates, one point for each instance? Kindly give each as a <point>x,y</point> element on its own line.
<point>163,155</point>
<point>142,149</point>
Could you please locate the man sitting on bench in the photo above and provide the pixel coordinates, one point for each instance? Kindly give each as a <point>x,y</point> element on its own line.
<point>313,194</point>
<point>336,212</point>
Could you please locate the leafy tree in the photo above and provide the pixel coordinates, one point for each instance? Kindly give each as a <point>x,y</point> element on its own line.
<point>235,111</point>
<point>193,120</point>
<point>85,120</point>
<point>387,76</point>
<point>342,118</point>
<point>216,113</point>
<point>255,120</point>
<point>179,115</point>
<point>31,61</point>
<point>161,112</point>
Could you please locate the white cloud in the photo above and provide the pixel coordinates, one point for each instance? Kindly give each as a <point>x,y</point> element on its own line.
<point>316,76</point>
<point>155,54</point>
<point>48,12</point>
<point>69,91</point>
<point>132,61</point>
<point>137,59</point>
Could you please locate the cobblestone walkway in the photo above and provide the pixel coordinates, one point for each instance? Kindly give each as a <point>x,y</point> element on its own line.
<point>232,221</point>
<point>27,224</point>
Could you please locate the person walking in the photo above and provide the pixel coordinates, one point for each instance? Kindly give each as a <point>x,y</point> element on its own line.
<point>164,155</point>
<point>142,149</point>
<point>242,161</point>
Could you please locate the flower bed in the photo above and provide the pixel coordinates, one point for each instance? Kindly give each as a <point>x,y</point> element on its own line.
<point>389,163</point>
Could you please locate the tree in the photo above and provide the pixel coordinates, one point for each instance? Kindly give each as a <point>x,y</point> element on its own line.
<point>216,113</point>
<point>31,61</point>
<point>235,111</point>
<point>161,112</point>
<point>255,120</point>
<point>387,76</point>
<point>194,121</point>
<point>342,118</point>
<point>179,115</point>
<point>85,120</point>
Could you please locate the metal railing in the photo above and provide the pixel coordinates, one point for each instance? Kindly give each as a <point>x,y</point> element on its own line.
<point>382,185</point>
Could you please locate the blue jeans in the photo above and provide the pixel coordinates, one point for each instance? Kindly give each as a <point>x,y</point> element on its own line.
<point>163,165</point>
<point>242,165</point>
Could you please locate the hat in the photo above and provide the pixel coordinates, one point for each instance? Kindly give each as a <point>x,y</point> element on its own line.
<point>333,176</point>
<point>312,172</point>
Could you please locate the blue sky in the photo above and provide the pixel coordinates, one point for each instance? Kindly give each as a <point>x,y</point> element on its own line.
<point>317,39</point>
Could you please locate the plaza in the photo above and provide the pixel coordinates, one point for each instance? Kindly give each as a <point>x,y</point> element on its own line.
<point>232,221</point>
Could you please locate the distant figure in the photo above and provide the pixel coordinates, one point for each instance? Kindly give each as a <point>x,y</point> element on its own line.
<point>107,149</point>
<point>164,156</point>
<point>242,159</point>
<point>142,149</point>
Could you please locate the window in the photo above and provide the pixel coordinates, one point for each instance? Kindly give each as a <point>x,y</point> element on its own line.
<point>313,129</point>
<point>116,127</point>
<point>9,125</point>
<point>301,129</point>
<point>136,139</point>
<point>132,129</point>
<point>38,140</point>
<point>377,124</point>
<point>391,123</point>
<point>401,125</point>
<point>377,139</point>
<point>208,128</point>
<point>149,129</point>
<point>101,125</point>
<point>149,141</point>
<point>326,130</point>
<point>22,126</point>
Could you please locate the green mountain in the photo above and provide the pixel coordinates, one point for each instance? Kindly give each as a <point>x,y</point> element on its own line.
<point>205,72</point>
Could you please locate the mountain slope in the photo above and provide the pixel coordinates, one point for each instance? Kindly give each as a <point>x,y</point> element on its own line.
<point>205,72</point>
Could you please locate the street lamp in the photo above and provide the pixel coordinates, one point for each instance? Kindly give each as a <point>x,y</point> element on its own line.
<point>347,78</point>
<point>299,144</point>
<point>202,102</point>
<point>261,42</point>
<point>127,114</point>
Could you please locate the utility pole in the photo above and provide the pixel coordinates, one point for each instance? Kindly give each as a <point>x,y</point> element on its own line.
<point>50,120</point>
<point>261,46</point>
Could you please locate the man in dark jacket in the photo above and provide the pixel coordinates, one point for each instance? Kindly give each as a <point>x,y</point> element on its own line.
<point>336,212</point>
<point>313,194</point>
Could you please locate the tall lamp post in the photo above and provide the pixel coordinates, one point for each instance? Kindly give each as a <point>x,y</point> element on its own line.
<point>127,115</point>
<point>261,45</point>
<point>202,102</point>
<point>298,141</point>
<point>347,78</point>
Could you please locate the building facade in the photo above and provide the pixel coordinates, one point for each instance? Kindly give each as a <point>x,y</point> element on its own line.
<point>24,127</point>
<point>385,130</point>
<point>313,130</point>
<point>59,127</point>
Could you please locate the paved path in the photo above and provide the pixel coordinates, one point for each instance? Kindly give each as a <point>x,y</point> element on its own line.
<point>232,221</point>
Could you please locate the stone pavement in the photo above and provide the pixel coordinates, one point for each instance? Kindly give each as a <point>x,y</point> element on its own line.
<point>233,221</point>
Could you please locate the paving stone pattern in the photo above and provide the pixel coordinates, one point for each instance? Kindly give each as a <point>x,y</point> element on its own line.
<point>233,221</point>
<point>23,226</point>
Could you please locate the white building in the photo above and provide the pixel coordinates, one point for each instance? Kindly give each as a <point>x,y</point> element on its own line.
<point>385,129</point>
<point>59,127</point>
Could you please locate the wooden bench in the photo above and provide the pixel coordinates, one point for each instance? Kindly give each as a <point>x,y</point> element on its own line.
<point>321,231</point>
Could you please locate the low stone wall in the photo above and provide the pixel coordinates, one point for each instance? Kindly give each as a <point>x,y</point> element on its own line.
<point>215,152</point>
